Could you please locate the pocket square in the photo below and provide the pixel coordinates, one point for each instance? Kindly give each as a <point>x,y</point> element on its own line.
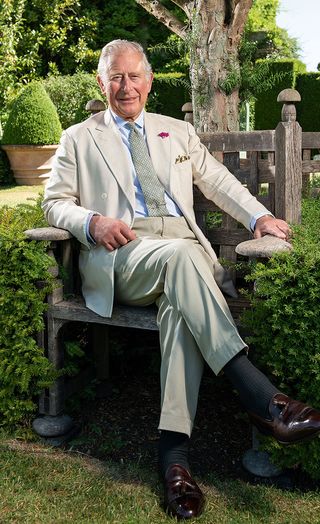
<point>182,158</point>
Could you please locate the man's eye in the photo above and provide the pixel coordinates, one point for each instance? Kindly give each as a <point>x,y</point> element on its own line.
<point>116,77</point>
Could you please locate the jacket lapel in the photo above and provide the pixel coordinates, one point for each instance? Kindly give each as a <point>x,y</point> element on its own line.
<point>109,143</point>
<point>159,149</point>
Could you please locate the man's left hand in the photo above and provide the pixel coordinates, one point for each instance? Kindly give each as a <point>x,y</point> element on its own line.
<point>268,225</point>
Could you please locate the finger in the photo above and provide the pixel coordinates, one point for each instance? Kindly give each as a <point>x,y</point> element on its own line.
<point>108,246</point>
<point>119,240</point>
<point>128,233</point>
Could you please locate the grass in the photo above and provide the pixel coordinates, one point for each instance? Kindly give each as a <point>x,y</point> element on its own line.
<point>43,485</point>
<point>13,195</point>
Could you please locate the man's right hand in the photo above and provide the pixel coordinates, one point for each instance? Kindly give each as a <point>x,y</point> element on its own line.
<point>109,232</point>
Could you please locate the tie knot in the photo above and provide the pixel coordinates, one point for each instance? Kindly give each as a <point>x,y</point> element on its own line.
<point>131,126</point>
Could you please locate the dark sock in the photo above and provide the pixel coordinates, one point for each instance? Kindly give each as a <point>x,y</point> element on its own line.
<point>254,388</point>
<point>173,449</point>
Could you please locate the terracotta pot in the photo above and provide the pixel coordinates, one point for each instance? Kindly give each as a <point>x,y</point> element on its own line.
<point>30,164</point>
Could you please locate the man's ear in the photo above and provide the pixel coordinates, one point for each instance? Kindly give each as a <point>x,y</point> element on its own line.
<point>101,84</point>
<point>150,81</point>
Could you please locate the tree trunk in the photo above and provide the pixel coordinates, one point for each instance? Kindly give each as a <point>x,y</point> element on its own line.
<point>214,67</point>
<point>213,36</point>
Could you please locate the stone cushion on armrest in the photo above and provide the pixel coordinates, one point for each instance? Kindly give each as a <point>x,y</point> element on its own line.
<point>47,233</point>
<point>263,247</point>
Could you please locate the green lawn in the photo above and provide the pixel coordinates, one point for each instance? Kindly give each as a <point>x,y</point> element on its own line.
<point>42,485</point>
<point>13,195</point>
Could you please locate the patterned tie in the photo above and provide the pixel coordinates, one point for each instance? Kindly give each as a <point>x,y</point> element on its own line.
<point>151,186</point>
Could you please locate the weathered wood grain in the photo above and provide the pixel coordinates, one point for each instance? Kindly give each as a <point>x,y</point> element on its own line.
<point>288,180</point>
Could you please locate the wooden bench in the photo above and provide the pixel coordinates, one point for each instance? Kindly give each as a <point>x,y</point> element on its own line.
<point>257,170</point>
<point>66,305</point>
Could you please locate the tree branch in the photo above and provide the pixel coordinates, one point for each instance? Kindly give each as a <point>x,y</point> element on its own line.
<point>155,8</point>
<point>184,6</point>
<point>240,15</point>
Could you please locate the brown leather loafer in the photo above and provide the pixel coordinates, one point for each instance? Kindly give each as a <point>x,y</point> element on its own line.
<point>183,498</point>
<point>292,421</point>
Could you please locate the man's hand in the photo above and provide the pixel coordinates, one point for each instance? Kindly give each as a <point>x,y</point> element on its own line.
<point>109,232</point>
<point>268,225</point>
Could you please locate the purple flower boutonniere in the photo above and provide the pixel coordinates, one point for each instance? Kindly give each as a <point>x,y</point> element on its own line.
<point>163,134</point>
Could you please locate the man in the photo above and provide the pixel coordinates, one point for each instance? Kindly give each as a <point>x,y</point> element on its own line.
<point>122,184</point>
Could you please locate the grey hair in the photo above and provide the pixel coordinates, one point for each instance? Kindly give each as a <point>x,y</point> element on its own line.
<point>117,47</point>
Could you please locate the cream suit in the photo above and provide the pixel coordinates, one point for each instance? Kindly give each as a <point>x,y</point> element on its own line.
<point>91,173</point>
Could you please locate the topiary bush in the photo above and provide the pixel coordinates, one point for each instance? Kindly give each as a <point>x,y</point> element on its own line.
<point>24,370</point>
<point>33,119</point>
<point>284,322</point>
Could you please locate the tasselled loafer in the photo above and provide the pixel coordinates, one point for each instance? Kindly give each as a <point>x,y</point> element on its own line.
<point>291,421</point>
<point>183,499</point>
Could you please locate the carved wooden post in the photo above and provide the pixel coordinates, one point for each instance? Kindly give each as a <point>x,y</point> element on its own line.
<point>95,106</point>
<point>288,157</point>
<point>188,110</point>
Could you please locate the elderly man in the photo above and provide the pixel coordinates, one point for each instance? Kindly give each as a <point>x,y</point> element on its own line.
<point>121,183</point>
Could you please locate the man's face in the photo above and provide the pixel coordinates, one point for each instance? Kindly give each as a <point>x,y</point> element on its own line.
<point>126,85</point>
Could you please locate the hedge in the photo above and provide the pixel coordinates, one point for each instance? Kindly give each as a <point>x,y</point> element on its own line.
<point>169,92</point>
<point>308,110</point>
<point>267,110</point>
<point>24,371</point>
<point>284,322</point>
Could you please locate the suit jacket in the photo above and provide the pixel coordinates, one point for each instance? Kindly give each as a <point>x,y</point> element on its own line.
<point>91,172</point>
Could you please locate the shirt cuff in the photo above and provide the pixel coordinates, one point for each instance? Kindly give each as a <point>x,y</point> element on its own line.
<point>90,239</point>
<point>255,218</point>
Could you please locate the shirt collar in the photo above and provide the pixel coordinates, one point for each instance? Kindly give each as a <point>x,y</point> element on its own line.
<point>120,122</point>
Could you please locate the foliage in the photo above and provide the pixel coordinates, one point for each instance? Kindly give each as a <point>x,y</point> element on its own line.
<point>33,118</point>
<point>63,36</point>
<point>70,93</point>
<point>11,23</point>
<point>261,27</point>
<point>256,76</point>
<point>285,73</point>
<point>24,371</point>
<point>172,55</point>
<point>308,110</point>
<point>284,321</point>
<point>169,92</point>
<point>39,37</point>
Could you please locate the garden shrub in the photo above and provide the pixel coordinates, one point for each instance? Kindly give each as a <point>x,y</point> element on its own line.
<point>70,93</point>
<point>284,322</point>
<point>24,370</point>
<point>33,118</point>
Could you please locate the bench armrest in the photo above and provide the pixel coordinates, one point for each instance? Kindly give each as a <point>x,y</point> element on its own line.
<point>263,247</point>
<point>48,233</point>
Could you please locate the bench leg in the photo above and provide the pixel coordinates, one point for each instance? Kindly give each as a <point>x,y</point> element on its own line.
<point>53,425</point>
<point>258,462</point>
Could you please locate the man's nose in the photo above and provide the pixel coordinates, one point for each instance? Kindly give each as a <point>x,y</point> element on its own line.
<point>126,83</point>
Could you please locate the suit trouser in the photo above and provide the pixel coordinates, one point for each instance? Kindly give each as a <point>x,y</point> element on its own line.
<point>167,265</point>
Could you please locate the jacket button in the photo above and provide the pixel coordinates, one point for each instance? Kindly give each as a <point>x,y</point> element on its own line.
<point>104,195</point>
